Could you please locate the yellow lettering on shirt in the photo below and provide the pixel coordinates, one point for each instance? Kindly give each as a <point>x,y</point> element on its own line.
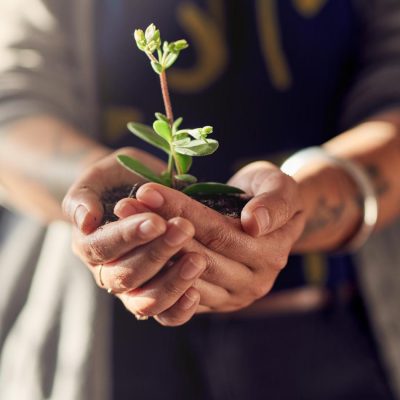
<point>206,35</point>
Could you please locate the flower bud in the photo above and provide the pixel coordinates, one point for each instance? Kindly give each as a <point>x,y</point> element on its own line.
<point>150,32</point>
<point>181,44</point>
<point>140,39</point>
<point>178,45</point>
<point>206,130</point>
<point>155,43</point>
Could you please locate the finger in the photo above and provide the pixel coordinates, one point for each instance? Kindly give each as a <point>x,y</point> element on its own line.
<point>83,205</point>
<point>276,201</point>
<point>227,285</point>
<point>266,261</point>
<point>142,264</point>
<point>212,296</point>
<point>202,309</point>
<point>182,311</point>
<point>288,235</point>
<point>166,288</point>
<point>219,233</point>
<point>129,206</point>
<point>222,272</point>
<point>115,239</point>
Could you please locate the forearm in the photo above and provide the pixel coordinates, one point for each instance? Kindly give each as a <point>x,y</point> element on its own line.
<point>40,157</point>
<point>332,200</point>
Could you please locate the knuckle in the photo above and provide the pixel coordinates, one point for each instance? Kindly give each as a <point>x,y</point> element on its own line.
<point>262,283</point>
<point>282,210</point>
<point>183,207</point>
<point>219,239</point>
<point>279,261</point>
<point>259,290</point>
<point>123,280</point>
<point>155,256</point>
<point>171,289</point>
<point>95,252</point>
<point>239,303</point>
<point>94,171</point>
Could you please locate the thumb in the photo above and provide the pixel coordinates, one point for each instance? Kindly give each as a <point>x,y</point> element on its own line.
<point>276,201</point>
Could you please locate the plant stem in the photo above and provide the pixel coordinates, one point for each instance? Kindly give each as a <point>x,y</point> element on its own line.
<point>166,98</point>
<point>172,163</point>
<point>171,168</point>
<point>164,91</point>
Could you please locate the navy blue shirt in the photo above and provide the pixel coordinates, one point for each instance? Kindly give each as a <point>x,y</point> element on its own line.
<point>269,76</point>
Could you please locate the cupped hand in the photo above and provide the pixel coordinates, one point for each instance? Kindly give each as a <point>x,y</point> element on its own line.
<point>130,257</point>
<point>243,257</point>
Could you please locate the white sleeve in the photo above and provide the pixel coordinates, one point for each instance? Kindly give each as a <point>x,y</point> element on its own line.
<point>37,65</point>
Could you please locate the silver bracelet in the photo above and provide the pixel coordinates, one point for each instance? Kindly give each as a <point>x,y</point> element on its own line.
<point>370,203</point>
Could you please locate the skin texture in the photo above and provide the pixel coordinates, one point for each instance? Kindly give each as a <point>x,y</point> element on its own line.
<point>233,263</point>
<point>224,253</point>
<point>237,261</point>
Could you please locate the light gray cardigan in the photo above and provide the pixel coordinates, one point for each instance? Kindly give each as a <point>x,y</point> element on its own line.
<point>54,322</point>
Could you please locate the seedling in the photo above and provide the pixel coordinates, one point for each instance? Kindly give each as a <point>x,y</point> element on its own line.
<point>181,145</point>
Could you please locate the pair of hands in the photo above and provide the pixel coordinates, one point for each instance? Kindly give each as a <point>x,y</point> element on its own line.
<point>169,256</point>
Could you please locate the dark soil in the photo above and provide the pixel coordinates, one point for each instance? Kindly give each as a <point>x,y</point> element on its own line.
<point>228,204</point>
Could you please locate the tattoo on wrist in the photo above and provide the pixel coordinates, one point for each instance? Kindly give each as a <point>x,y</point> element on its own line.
<point>324,215</point>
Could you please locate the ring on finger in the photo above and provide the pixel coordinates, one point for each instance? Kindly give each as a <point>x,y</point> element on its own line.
<point>141,317</point>
<point>100,277</point>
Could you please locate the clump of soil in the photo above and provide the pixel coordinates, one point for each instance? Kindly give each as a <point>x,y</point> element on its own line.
<point>230,205</point>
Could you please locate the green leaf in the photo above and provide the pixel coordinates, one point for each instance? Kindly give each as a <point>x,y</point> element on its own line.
<point>198,148</point>
<point>181,142</point>
<point>138,168</point>
<point>198,133</point>
<point>158,68</point>
<point>180,136</point>
<point>195,133</point>
<point>176,125</point>
<point>161,117</point>
<point>211,188</point>
<point>163,129</point>
<point>185,162</point>
<point>186,178</point>
<point>147,134</point>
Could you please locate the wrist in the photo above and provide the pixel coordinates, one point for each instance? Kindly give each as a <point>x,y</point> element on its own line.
<point>337,195</point>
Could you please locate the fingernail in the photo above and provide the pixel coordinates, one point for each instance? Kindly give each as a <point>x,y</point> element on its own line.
<point>150,197</point>
<point>263,219</point>
<point>125,209</point>
<point>148,229</point>
<point>176,236</point>
<point>80,216</point>
<point>188,299</point>
<point>191,268</point>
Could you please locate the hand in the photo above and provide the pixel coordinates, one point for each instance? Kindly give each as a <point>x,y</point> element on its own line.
<point>131,254</point>
<point>243,257</point>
